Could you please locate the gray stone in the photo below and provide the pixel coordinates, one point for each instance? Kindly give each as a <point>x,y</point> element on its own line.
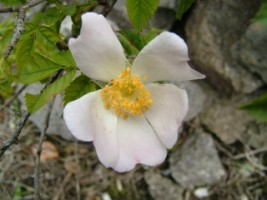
<point>163,18</point>
<point>212,29</point>
<point>255,135</point>
<point>196,163</point>
<point>162,188</point>
<point>251,50</point>
<point>196,97</point>
<point>225,120</point>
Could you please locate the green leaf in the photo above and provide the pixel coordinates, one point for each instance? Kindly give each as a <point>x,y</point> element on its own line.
<point>79,87</point>
<point>261,16</point>
<point>257,108</point>
<point>183,6</point>
<point>46,45</point>
<point>31,66</point>
<point>129,48</point>
<point>12,2</point>
<point>135,39</point>
<point>6,32</point>
<point>140,12</point>
<point>133,42</point>
<point>35,102</point>
<point>151,35</point>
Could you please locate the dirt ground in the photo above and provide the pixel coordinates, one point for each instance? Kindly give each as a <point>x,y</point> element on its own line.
<point>71,170</point>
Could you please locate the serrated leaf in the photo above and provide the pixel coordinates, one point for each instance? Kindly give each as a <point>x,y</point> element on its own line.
<point>133,42</point>
<point>257,108</point>
<point>140,12</point>
<point>31,66</point>
<point>46,45</point>
<point>261,16</point>
<point>79,87</point>
<point>183,6</point>
<point>35,102</point>
<point>135,39</point>
<point>69,9</point>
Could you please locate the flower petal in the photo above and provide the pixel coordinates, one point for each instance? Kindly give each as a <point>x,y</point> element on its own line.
<point>78,117</point>
<point>138,144</point>
<point>167,112</point>
<point>88,120</point>
<point>165,59</point>
<point>105,138</point>
<point>97,51</point>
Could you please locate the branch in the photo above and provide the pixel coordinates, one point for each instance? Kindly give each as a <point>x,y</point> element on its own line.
<point>39,151</point>
<point>14,139</point>
<point>107,6</point>
<point>25,6</point>
<point>24,118</point>
<point>7,103</point>
<point>19,27</point>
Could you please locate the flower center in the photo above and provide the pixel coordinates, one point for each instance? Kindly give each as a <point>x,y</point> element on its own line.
<point>126,95</point>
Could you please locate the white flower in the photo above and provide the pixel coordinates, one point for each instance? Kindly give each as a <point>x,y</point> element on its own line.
<point>131,120</point>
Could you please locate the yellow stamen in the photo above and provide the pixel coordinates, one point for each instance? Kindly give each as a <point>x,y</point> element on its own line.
<point>126,95</point>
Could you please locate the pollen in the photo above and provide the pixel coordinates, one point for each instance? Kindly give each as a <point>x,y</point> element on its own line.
<point>126,95</point>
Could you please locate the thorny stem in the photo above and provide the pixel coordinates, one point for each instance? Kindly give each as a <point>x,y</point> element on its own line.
<point>39,151</point>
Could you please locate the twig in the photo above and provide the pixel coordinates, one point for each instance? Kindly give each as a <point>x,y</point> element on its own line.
<point>107,6</point>
<point>39,151</point>
<point>250,153</point>
<point>13,98</point>
<point>19,27</point>
<point>64,182</point>
<point>23,119</point>
<point>78,189</point>
<point>14,139</point>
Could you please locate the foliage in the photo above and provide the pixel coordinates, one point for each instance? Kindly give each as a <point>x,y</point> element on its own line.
<point>12,2</point>
<point>79,87</point>
<point>257,108</point>
<point>184,5</point>
<point>140,12</point>
<point>41,50</point>
<point>261,16</point>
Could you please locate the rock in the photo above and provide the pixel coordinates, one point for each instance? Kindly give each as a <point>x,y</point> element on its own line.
<point>196,97</point>
<point>162,188</point>
<point>170,4</point>
<point>222,117</point>
<point>196,163</point>
<point>226,121</point>
<point>162,19</point>
<point>212,29</point>
<point>251,50</point>
<point>255,134</point>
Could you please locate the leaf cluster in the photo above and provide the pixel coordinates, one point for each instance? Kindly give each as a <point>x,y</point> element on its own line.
<point>42,51</point>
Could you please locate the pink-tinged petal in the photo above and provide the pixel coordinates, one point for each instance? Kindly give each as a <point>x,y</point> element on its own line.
<point>138,143</point>
<point>165,59</point>
<point>169,107</point>
<point>97,51</point>
<point>105,138</point>
<point>78,117</point>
